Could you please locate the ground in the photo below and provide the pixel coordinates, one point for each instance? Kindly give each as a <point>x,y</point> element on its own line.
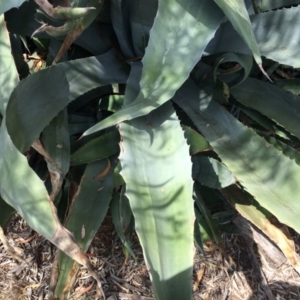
<point>235,270</point>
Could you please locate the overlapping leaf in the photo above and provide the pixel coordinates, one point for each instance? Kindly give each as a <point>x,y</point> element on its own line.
<point>177,25</point>
<point>266,173</point>
<point>273,102</point>
<point>20,186</point>
<point>276,38</point>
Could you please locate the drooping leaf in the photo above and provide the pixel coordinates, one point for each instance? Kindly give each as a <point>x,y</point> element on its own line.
<point>20,187</point>
<point>280,46</point>
<point>175,28</point>
<point>273,102</point>
<point>42,95</point>
<point>88,209</point>
<point>265,221</point>
<point>265,173</point>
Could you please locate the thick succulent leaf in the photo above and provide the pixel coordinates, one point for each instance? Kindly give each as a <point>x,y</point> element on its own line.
<point>275,103</point>
<point>20,186</point>
<point>263,220</point>
<point>276,40</point>
<point>237,13</point>
<point>7,5</point>
<point>97,149</point>
<point>284,148</point>
<point>117,220</point>
<point>172,36</point>
<point>290,85</point>
<point>157,170</point>
<point>6,213</point>
<point>266,123</point>
<point>8,75</point>
<point>265,5</point>
<point>88,209</point>
<point>196,141</point>
<point>267,174</point>
<point>233,76</point>
<point>41,96</point>
<point>210,172</point>
<point>57,142</point>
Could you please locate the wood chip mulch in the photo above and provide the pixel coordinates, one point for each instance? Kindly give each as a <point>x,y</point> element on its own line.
<point>237,270</point>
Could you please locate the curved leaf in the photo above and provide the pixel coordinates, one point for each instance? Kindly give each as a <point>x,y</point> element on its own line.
<point>236,12</point>
<point>277,40</point>
<point>20,187</point>
<point>41,96</point>
<point>233,76</point>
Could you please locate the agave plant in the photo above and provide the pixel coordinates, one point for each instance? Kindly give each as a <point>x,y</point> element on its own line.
<point>151,109</point>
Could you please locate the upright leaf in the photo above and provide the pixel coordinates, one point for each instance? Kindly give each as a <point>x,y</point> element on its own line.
<point>153,148</point>
<point>157,170</point>
<point>88,209</point>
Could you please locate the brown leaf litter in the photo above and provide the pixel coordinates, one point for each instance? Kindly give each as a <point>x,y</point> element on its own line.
<point>237,270</point>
